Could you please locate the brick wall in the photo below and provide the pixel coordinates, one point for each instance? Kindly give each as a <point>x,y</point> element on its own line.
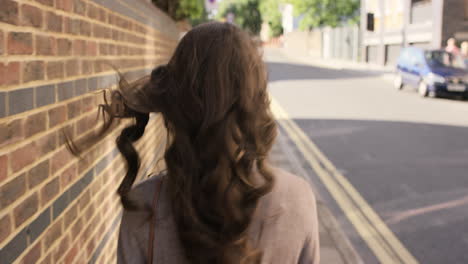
<point>55,208</point>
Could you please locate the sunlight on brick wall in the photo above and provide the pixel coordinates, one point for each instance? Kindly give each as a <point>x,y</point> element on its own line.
<point>55,208</point>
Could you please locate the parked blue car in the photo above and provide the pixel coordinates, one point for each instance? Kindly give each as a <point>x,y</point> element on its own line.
<point>433,72</point>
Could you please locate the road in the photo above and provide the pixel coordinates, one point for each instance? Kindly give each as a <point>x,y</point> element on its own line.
<point>405,155</point>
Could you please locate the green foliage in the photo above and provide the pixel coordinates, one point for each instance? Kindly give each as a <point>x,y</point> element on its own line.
<point>246,13</point>
<point>182,9</point>
<point>326,12</point>
<point>272,15</point>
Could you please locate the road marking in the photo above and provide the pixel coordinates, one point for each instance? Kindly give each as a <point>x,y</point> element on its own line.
<point>380,239</point>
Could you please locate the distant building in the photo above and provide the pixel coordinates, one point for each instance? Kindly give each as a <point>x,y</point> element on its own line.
<point>399,23</point>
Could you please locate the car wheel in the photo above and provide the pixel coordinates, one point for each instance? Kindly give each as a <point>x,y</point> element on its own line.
<point>422,89</point>
<point>398,82</point>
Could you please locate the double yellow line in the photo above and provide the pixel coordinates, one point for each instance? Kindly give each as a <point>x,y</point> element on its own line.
<point>380,239</point>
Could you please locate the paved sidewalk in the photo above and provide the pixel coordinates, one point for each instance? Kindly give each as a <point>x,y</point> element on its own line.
<point>335,247</point>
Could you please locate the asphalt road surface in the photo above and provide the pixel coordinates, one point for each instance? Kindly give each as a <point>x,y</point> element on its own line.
<point>407,156</point>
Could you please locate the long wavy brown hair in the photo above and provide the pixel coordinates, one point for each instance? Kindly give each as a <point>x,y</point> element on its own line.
<point>213,98</point>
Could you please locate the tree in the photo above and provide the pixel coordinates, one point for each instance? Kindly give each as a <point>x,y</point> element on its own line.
<point>246,13</point>
<point>318,13</point>
<point>271,14</point>
<point>182,9</point>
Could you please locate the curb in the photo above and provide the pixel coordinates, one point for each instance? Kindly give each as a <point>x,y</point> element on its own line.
<point>348,254</point>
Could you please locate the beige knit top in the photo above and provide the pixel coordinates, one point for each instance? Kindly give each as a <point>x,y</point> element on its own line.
<point>285,226</point>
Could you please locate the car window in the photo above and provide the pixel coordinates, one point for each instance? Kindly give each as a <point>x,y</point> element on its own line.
<point>414,58</point>
<point>418,58</point>
<point>441,58</point>
<point>405,56</point>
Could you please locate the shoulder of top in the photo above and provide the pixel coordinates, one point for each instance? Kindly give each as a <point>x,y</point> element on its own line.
<point>292,197</point>
<point>144,189</point>
<point>286,181</point>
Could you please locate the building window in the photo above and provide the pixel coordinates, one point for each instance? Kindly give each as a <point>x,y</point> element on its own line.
<point>421,11</point>
<point>372,54</point>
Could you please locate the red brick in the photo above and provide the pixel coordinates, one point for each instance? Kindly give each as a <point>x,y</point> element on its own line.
<point>64,47</point>
<point>83,163</point>
<point>57,115</point>
<point>26,209</point>
<point>12,190</point>
<point>45,45</point>
<point>107,33</point>
<point>70,215</point>
<point>141,29</point>
<point>3,167</point>
<point>93,12</point>
<point>50,191</point>
<point>53,234</point>
<point>99,66</point>
<point>115,34</point>
<point>63,247</point>
<point>9,12</point>
<point>33,255</point>
<point>60,160</point>
<point>98,31</point>
<point>31,16</point>
<point>79,7</point>
<point>33,71</point>
<point>9,73</point>
<point>47,259</point>
<point>65,5</point>
<point>102,15</point>
<point>92,48</point>
<point>86,67</point>
<point>88,213</point>
<point>72,26</point>
<point>71,255</point>
<point>120,50</point>
<point>88,104</point>
<point>111,19</point>
<point>111,49</point>
<point>74,109</point>
<point>38,174</point>
<point>84,200</point>
<point>85,124</point>
<point>55,70</point>
<point>70,130</point>
<point>76,228</point>
<point>46,2</point>
<point>103,49</point>
<point>85,28</point>
<point>11,132</point>
<point>46,143</point>
<point>54,22</point>
<point>68,176</point>
<point>35,123</point>
<point>23,156</point>
<point>91,246</point>
<point>2,45</point>
<point>20,43</point>
<point>79,47</point>
<point>71,68</point>
<point>5,227</point>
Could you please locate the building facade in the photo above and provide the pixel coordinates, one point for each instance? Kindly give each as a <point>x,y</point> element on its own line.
<point>400,23</point>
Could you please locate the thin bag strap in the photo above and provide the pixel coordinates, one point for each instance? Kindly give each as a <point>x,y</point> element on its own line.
<point>153,220</point>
